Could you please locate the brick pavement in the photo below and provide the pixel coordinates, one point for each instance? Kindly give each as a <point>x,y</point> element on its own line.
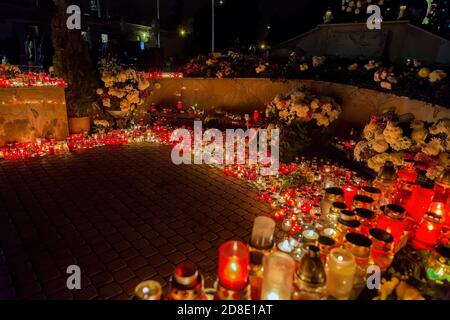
<point>123,214</point>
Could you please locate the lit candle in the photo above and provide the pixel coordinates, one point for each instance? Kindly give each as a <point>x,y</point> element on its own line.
<point>234,259</point>
<point>262,233</point>
<point>349,193</point>
<point>277,283</point>
<point>393,221</point>
<point>340,270</point>
<point>428,231</point>
<point>419,202</point>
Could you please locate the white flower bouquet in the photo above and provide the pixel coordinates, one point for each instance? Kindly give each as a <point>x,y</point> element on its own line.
<point>299,115</point>
<point>388,137</point>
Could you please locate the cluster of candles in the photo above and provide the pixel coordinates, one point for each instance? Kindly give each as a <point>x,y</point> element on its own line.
<point>32,79</point>
<point>78,142</point>
<point>349,228</point>
<point>163,75</point>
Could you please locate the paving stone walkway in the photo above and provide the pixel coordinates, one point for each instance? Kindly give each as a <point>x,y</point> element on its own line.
<point>123,214</point>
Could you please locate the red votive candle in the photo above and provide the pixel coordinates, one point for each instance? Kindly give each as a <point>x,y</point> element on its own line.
<point>349,193</point>
<point>419,202</point>
<point>234,261</point>
<point>428,231</point>
<point>393,221</point>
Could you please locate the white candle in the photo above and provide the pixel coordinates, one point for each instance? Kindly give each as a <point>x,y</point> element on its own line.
<point>340,269</point>
<point>278,277</point>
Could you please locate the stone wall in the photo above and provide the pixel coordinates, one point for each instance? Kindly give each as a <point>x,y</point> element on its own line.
<point>29,113</point>
<point>247,95</point>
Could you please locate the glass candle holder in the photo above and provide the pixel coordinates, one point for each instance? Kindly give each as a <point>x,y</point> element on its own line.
<point>335,212</point>
<point>364,202</point>
<point>367,219</point>
<point>262,233</point>
<point>148,290</point>
<point>349,192</point>
<point>326,244</point>
<point>278,277</point>
<point>419,202</point>
<point>234,261</point>
<point>360,246</point>
<point>428,231</point>
<point>186,283</point>
<point>331,195</point>
<point>382,254</point>
<point>340,272</point>
<point>441,199</point>
<point>310,276</point>
<point>393,221</point>
<point>372,192</point>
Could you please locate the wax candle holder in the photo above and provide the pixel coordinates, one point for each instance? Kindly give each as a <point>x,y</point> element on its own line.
<point>148,290</point>
<point>186,283</point>
<point>261,244</point>
<point>335,211</point>
<point>278,277</point>
<point>428,231</point>
<point>363,202</point>
<point>326,244</point>
<point>349,192</point>
<point>419,202</point>
<point>340,271</point>
<point>367,219</point>
<point>346,224</point>
<point>331,195</point>
<point>360,246</point>
<point>393,221</point>
<point>372,192</point>
<point>382,254</point>
<point>234,263</point>
<point>441,199</point>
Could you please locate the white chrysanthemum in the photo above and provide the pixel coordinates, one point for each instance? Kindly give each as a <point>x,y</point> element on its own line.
<point>379,145</point>
<point>404,143</point>
<point>418,135</point>
<point>433,148</point>
<point>301,111</point>
<point>321,119</point>
<point>377,161</point>
<point>392,133</point>
<point>370,130</point>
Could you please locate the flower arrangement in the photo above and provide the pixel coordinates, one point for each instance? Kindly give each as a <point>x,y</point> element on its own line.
<point>299,115</point>
<point>390,137</point>
<point>124,88</point>
<point>303,106</point>
<point>385,77</point>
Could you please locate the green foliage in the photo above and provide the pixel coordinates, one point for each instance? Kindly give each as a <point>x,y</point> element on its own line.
<point>72,62</point>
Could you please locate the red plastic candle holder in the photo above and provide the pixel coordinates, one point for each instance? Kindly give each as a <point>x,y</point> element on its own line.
<point>234,262</point>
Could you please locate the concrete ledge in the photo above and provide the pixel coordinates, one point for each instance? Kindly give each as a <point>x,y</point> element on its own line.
<point>29,113</point>
<point>249,94</point>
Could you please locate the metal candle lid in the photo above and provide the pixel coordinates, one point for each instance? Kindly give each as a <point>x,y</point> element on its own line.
<point>358,240</point>
<point>364,213</point>
<point>311,271</point>
<point>387,174</point>
<point>148,290</point>
<point>334,194</point>
<point>381,235</point>
<point>370,189</point>
<point>395,211</point>
<point>347,215</point>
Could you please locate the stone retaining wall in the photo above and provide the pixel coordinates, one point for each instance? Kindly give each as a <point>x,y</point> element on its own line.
<point>29,113</point>
<point>248,94</point>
